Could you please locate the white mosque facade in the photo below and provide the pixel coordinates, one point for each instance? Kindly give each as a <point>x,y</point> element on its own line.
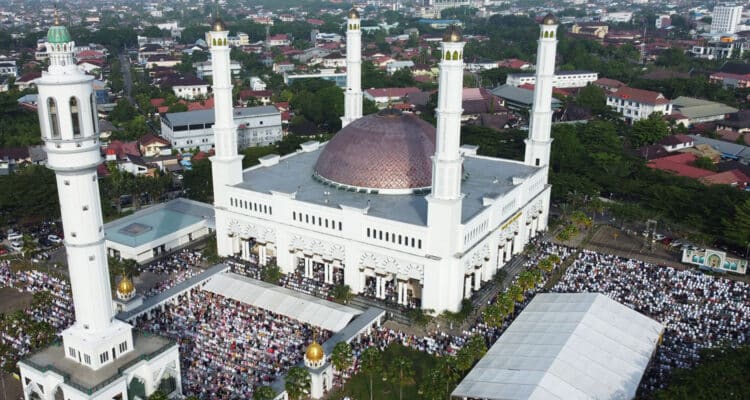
<point>391,206</point>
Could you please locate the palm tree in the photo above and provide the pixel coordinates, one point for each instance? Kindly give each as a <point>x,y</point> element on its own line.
<point>371,363</point>
<point>506,304</point>
<point>492,315</point>
<point>554,258</point>
<point>526,280</point>
<point>448,373</point>
<point>342,293</point>
<point>546,265</point>
<point>403,372</point>
<point>297,382</point>
<point>341,356</point>
<point>264,393</point>
<point>516,293</point>
<point>478,346</point>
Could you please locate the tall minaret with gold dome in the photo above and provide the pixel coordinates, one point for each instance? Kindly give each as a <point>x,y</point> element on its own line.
<point>539,143</point>
<point>444,203</point>
<point>95,358</point>
<point>226,164</point>
<point>67,115</point>
<point>353,91</point>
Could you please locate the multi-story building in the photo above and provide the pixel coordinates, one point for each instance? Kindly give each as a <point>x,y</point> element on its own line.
<point>256,126</point>
<point>204,69</point>
<point>562,79</point>
<point>8,67</point>
<point>637,104</point>
<point>721,48</point>
<point>725,19</point>
<point>329,74</point>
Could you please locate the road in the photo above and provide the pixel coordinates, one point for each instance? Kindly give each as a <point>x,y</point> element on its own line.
<point>127,79</point>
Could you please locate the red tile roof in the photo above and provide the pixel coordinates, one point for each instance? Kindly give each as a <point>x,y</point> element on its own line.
<point>679,164</point>
<point>639,95</point>
<point>392,92</point>
<point>731,177</point>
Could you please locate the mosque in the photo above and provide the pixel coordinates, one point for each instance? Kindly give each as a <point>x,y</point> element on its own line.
<point>390,206</point>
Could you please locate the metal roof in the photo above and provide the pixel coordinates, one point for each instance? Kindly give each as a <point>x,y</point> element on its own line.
<point>566,346</point>
<point>207,116</point>
<point>487,177</point>
<point>698,108</point>
<point>519,95</point>
<point>302,307</point>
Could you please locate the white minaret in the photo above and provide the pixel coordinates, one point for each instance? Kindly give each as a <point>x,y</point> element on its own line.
<point>539,143</point>
<point>68,120</point>
<point>353,93</point>
<point>226,164</point>
<point>444,202</point>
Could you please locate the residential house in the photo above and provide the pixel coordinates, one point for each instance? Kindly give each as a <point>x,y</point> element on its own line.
<point>699,110</point>
<point>278,40</point>
<point>204,69</point>
<point>162,60</point>
<point>28,80</point>
<point>382,97</point>
<point>186,87</point>
<point>151,145</point>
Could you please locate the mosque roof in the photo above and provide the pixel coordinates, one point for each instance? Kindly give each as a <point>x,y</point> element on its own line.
<point>58,34</point>
<point>388,150</point>
<point>485,178</point>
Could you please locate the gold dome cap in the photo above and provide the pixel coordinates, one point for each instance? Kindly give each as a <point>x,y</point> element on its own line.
<point>549,19</point>
<point>315,352</point>
<point>125,286</point>
<point>218,25</point>
<point>353,14</point>
<point>452,34</point>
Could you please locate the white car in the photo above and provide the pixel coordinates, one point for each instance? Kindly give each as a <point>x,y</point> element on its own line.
<point>13,236</point>
<point>54,239</point>
<point>16,245</point>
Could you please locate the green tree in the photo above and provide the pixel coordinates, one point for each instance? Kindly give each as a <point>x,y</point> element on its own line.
<point>271,273</point>
<point>738,226</point>
<point>342,356</point>
<point>449,373</point>
<point>297,382</point>
<point>704,163</point>
<point>264,392</point>
<point>723,373</point>
<point>592,97</point>
<point>158,395</point>
<point>342,293</point>
<point>401,370</point>
<point>197,182</point>
<point>371,363</point>
<point>648,131</point>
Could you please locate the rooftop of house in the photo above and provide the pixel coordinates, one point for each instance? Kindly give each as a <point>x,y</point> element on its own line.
<point>639,95</point>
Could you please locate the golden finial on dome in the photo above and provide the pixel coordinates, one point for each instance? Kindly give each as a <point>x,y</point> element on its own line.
<point>125,286</point>
<point>549,19</point>
<point>57,17</point>
<point>315,352</point>
<point>218,25</point>
<point>353,13</point>
<point>452,34</point>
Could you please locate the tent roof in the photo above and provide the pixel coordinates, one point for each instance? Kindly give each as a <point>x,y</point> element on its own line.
<point>305,308</point>
<point>566,346</point>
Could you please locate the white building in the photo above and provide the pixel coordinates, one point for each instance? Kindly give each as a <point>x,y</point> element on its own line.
<point>256,126</point>
<point>562,79</point>
<point>8,68</point>
<point>391,206</point>
<point>725,19</point>
<point>204,69</point>
<point>154,231</point>
<point>637,104</point>
<point>100,357</point>
<point>394,65</point>
<point>187,87</point>
<point>256,83</point>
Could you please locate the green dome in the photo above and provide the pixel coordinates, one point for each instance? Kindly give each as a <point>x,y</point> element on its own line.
<point>58,34</point>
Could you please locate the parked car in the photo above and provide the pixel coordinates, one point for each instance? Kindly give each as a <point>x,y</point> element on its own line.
<point>16,245</point>
<point>13,236</point>
<point>3,250</point>
<point>54,239</point>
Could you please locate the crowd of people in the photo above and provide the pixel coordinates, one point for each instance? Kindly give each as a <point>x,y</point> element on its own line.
<point>179,266</point>
<point>58,313</point>
<point>698,310</point>
<point>228,348</point>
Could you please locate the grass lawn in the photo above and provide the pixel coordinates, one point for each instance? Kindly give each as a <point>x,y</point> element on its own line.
<point>358,387</point>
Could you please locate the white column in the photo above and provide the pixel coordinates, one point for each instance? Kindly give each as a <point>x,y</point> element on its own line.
<point>327,272</point>
<point>538,144</point>
<point>477,278</point>
<point>308,267</point>
<point>262,255</point>
<point>226,164</point>
<point>353,92</point>
<point>467,286</point>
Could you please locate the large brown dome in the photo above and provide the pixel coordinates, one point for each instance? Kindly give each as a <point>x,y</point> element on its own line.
<point>389,151</point>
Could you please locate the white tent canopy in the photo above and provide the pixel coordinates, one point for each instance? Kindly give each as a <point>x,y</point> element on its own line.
<point>302,307</point>
<point>566,346</point>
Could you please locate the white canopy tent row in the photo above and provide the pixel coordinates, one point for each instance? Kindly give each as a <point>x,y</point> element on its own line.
<point>566,346</point>
<point>302,307</point>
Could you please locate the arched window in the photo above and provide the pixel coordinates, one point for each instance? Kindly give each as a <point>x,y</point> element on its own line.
<point>214,41</point>
<point>74,117</point>
<point>455,55</point>
<point>447,55</point>
<point>93,114</point>
<point>552,34</point>
<point>54,120</point>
